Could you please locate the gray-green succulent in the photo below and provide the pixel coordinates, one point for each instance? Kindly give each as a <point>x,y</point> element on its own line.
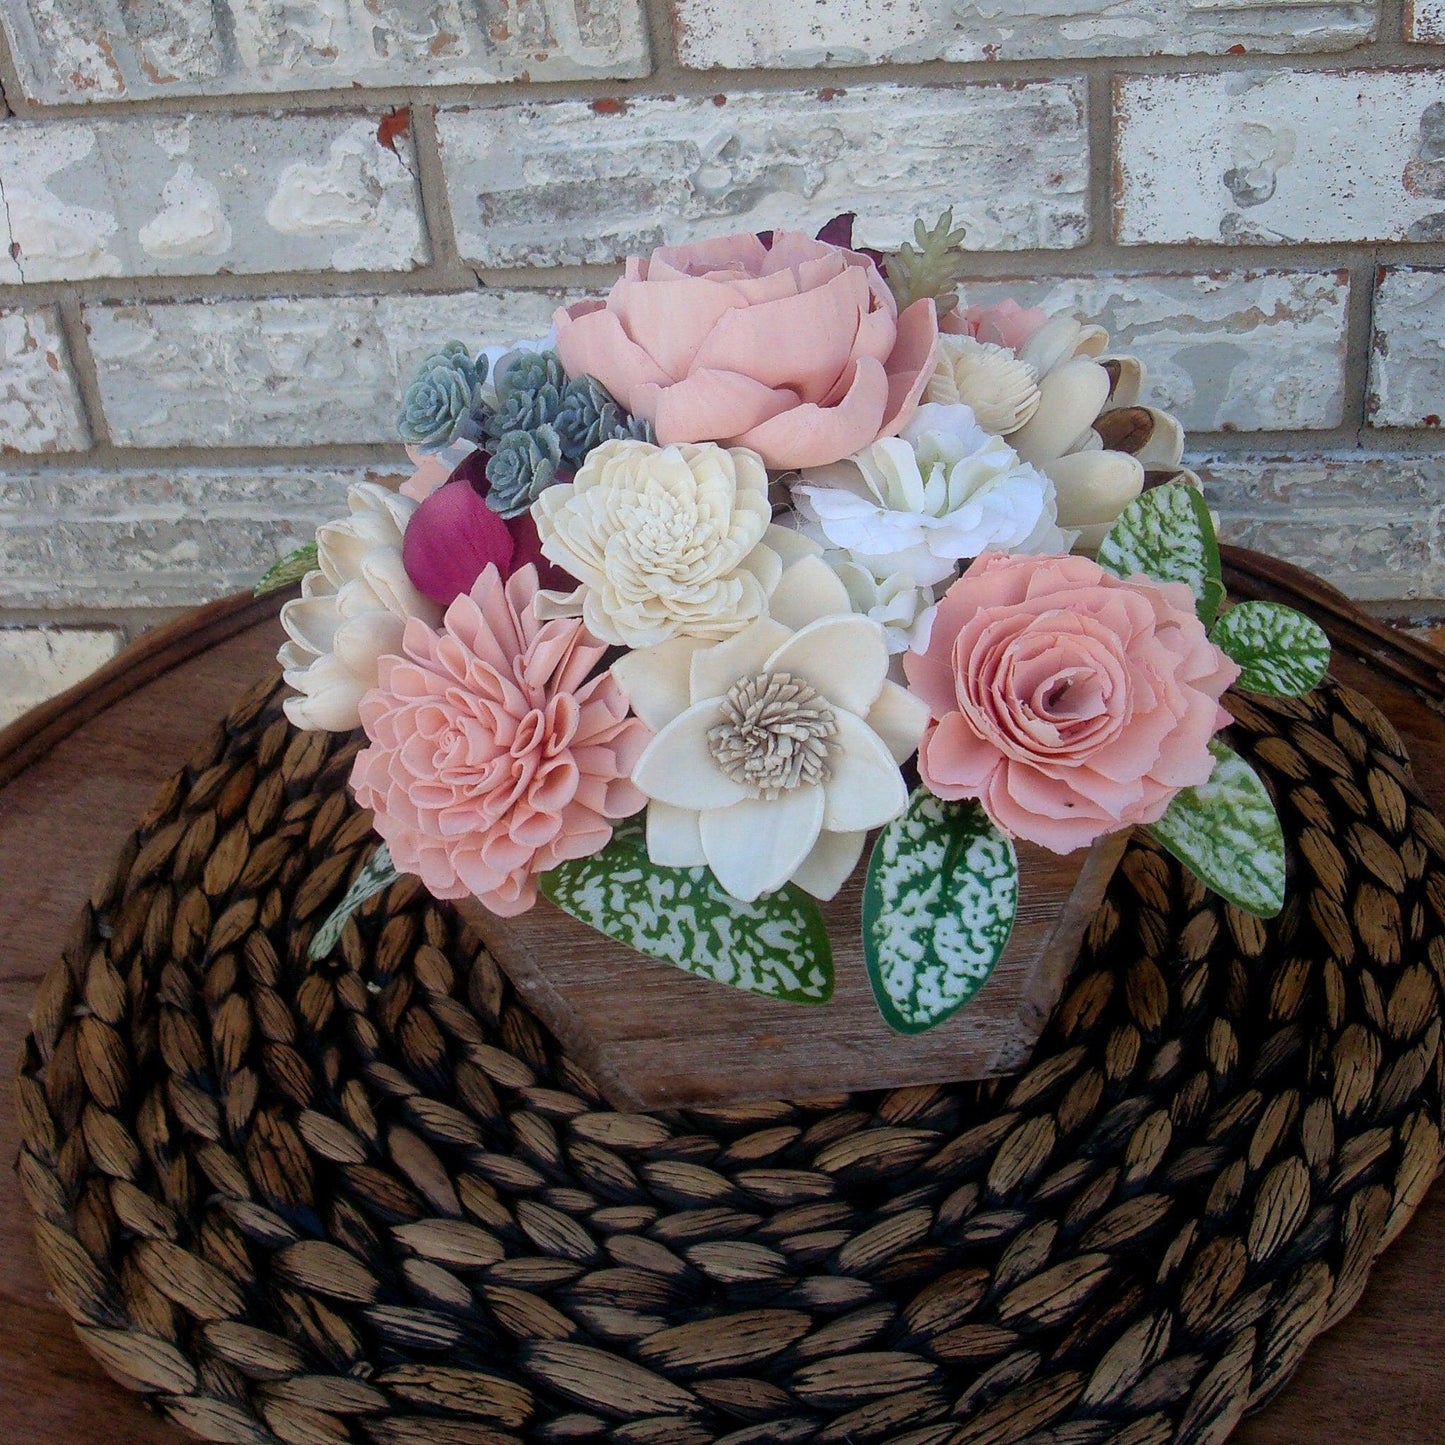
<point>522,466</point>
<point>589,416</point>
<point>440,402</point>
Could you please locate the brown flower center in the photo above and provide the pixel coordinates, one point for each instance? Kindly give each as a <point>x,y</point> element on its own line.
<point>775,735</point>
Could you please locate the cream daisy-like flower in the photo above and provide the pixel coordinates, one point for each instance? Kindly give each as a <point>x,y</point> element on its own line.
<point>778,748</point>
<point>1001,390</point>
<point>351,612</point>
<point>665,541</point>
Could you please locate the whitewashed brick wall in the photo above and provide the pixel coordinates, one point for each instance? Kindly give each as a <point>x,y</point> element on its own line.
<point>229,229</point>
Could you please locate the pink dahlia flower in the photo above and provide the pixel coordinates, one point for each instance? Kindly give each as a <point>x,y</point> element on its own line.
<point>796,349</point>
<point>495,753</point>
<point>1070,703</point>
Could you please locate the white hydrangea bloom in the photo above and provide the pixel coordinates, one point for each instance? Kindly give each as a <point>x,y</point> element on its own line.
<point>941,492</point>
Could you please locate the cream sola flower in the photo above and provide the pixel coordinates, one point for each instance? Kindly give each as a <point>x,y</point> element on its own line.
<point>351,612</point>
<point>664,541</point>
<point>778,748</point>
<point>943,491</point>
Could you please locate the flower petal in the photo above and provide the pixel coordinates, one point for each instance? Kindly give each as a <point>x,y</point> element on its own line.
<point>678,767</point>
<point>845,658</point>
<point>709,405</point>
<point>866,790</point>
<point>754,846</point>
<point>809,589</point>
<point>813,436</point>
<point>655,679</point>
<point>716,668</point>
<point>591,342</point>
<point>826,869</point>
<point>674,839</point>
<point>899,719</point>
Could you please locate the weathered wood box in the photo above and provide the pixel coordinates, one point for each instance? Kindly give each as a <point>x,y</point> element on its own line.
<point>654,1037</point>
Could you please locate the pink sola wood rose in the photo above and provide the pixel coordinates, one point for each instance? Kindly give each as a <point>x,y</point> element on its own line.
<point>495,754</point>
<point>1069,702</point>
<point>796,350</point>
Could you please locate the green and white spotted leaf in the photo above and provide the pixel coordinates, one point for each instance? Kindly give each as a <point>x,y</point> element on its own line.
<point>1228,834</point>
<point>1167,534</point>
<point>377,873</point>
<point>938,907</point>
<point>291,568</point>
<point>776,946</point>
<point>1281,652</point>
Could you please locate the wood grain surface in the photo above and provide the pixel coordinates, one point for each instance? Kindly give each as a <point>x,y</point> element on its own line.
<point>1374,1379</point>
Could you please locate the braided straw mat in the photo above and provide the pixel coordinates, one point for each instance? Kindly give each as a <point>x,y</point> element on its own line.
<point>371,1201</point>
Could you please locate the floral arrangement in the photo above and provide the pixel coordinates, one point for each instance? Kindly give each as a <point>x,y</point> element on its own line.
<point>776,548</point>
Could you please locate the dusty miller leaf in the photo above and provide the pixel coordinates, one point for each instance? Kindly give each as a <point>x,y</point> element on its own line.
<point>776,946</point>
<point>938,908</point>
<point>1228,834</point>
<point>291,568</point>
<point>377,873</point>
<point>1281,652</point>
<point>1166,533</point>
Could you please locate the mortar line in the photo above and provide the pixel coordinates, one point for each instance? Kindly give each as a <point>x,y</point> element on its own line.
<point>670,78</point>
<point>84,370</point>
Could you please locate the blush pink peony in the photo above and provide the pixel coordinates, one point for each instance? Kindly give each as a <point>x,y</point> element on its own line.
<point>495,752</point>
<point>794,349</point>
<point>1068,702</point>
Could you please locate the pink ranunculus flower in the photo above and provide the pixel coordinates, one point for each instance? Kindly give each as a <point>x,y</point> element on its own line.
<point>1005,323</point>
<point>1069,702</point>
<point>495,752</point>
<point>796,350</point>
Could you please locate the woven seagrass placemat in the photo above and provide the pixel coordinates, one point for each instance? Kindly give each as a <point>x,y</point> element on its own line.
<point>370,1201</point>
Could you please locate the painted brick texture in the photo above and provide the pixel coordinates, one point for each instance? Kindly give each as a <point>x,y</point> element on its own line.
<point>571,182</point>
<point>1265,157</point>
<point>90,50</point>
<point>198,194</point>
<point>726,35</point>
<point>229,229</point>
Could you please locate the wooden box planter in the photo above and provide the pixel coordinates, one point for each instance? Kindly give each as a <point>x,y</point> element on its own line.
<point>655,1037</point>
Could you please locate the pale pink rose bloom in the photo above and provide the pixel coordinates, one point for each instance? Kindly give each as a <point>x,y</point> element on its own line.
<point>495,753</point>
<point>795,350</point>
<point>1005,323</point>
<point>1069,702</point>
<point>432,469</point>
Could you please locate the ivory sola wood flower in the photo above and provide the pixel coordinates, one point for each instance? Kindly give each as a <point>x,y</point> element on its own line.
<point>495,752</point>
<point>778,748</point>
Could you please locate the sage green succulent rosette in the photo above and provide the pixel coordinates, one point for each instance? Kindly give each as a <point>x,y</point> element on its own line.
<point>522,466</point>
<point>442,401</point>
<point>589,416</point>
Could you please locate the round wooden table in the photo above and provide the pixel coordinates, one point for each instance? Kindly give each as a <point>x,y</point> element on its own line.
<point>76,773</point>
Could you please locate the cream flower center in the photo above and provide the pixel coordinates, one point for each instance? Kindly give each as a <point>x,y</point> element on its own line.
<point>775,736</point>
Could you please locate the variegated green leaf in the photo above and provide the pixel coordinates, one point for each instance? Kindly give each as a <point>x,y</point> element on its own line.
<point>938,908</point>
<point>291,568</point>
<point>1167,534</point>
<point>377,873</point>
<point>776,946</point>
<point>1281,652</point>
<point>1227,833</point>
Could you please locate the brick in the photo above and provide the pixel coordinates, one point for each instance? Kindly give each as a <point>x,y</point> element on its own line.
<point>1371,523</point>
<point>198,194</point>
<point>1280,157</point>
<point>571,182</point>
<point>1407,358</point>
<point>284,371</point>
<point>40,408</point>
<point>1237,351</point>
<point>158,537</point>
<point>742,34</point>
<point>1425,21</point>
<point>99,50</point>
<point>36,663</point>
